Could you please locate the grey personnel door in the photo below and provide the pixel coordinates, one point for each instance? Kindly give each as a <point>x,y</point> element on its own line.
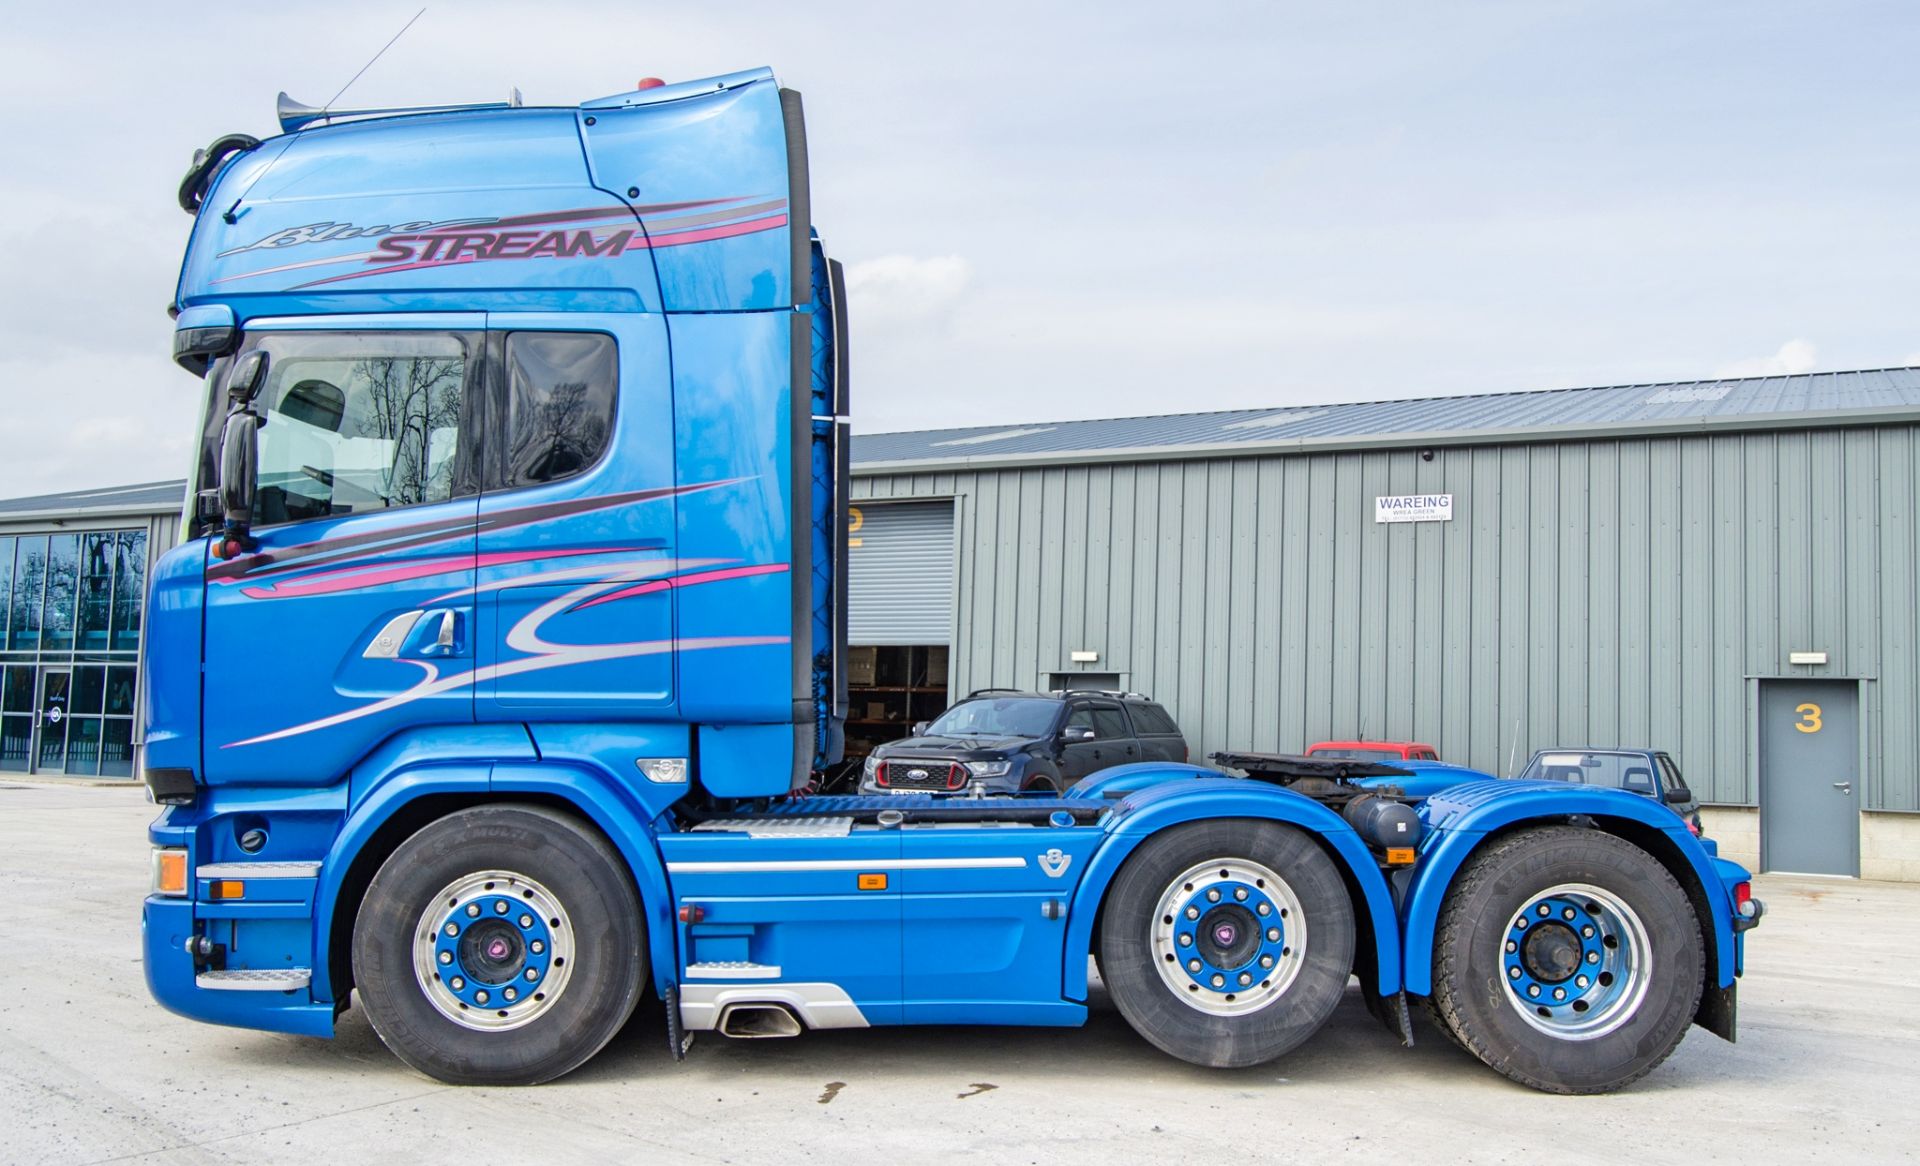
<point>1810,776</point>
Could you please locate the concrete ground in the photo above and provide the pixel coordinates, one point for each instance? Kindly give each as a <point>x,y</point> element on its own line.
<point>91,1070</point>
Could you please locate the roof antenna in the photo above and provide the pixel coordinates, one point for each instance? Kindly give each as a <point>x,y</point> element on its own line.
<point>230,214</point>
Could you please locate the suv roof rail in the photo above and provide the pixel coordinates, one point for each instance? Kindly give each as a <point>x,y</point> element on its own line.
<point>1113,692</point>
<point>985,691</point>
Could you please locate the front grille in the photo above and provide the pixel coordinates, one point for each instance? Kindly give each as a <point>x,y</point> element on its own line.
<point>922,775</point>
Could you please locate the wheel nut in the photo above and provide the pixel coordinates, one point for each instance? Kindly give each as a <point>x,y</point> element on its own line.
<point>510,994</point>
<point>537,947</point>
<point>1240,893</point>
<point>1545,910</point>
<point>1581,981</point>
<point>1193,965</point>
<point>1213,896</point>
<point>1559,993</point>
<point>1533,989</point>
<point>1567,914</point>
<point>1273,935</point>
<point>1593,957</point>
<point>500,907</point>
<point>1186,941</point>
<point>1266,961</point>
<point>526,921</point>
<point>1587,931</point>
<point>1512,946</point>
<point>446,957</point>
<point>1513,973</point>
<point>1264,909</point>
<point>1245,979</point>
<point>456,983</point>
<point>473,909</point>
<point>1219,981</point>
<point>481,996</point>
<point>532,974</point>
<point>453,929</point>
<point>1193,912</point>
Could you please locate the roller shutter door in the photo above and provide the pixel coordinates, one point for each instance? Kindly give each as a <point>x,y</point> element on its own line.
<point>900,573</point>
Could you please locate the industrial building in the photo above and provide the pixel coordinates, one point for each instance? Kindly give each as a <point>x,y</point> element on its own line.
<point>1727,570</point>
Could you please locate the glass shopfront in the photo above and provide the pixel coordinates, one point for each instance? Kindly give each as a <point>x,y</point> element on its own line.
<point>70,606</point>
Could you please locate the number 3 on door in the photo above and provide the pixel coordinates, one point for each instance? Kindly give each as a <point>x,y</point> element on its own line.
<point>1809,721</point>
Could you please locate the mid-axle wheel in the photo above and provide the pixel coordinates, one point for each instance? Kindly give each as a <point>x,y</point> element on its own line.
<point>1226,943</point>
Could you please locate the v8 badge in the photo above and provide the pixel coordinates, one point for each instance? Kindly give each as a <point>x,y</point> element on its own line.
<point>1055,862</point>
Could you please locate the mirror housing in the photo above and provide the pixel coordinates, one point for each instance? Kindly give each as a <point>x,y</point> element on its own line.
<point>247,377</point>
<point>919,728</point>
<point>239,461</point>
<point>1678,795</point>
<point>1072,736</point>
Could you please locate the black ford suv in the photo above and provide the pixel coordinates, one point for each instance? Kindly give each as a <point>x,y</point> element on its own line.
<point>1002,740</point>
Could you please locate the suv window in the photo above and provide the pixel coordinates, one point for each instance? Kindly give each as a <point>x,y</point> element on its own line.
<point>561,388</point>
<point>1106,721</point>
<point>1152,721</point>
<point>360,421</point>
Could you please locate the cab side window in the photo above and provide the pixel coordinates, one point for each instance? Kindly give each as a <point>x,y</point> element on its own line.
<point>560,390</point>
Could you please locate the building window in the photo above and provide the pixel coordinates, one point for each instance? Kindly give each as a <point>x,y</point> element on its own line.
<point>70,608</point>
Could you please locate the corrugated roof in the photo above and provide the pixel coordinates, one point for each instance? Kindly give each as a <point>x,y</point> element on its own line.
<point>1677,406</point>
<point>147,497</point>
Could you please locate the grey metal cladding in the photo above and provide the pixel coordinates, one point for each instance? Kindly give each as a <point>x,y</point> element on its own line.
<point>1608,591</point>
<point>900,574</point>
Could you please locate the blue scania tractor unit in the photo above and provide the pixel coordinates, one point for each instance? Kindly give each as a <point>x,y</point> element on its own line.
<point>490,683</point>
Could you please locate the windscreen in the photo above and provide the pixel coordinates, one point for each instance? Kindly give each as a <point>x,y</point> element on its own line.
<point>1360,754</point>
<point>1000,717</point>
<point>1628,771</point>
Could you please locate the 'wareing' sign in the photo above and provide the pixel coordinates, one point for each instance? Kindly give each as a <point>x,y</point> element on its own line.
<point>1414,508</point>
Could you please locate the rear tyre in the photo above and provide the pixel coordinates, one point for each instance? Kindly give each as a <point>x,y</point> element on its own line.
<point>1226,943</point>
<point>501,945</point>
<point>1567,959</point>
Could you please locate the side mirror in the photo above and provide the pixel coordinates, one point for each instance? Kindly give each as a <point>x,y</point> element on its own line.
<point>1679,795</point>
<point>239,459</point>
<point>919,728</point>
<point>1076,734</point>
<point>247,377</point>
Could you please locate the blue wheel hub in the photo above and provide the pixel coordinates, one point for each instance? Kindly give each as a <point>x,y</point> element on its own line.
<point>1576,961</point>
<point>1227,936</point>
<point>491,950</point>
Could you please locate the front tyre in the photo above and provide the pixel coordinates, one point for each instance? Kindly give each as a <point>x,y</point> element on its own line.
<point>501,945</point>
<point>1568,959</point>
<point>1226,943</point>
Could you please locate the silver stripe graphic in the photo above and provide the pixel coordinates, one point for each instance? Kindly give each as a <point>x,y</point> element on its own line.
<point>848,864</point>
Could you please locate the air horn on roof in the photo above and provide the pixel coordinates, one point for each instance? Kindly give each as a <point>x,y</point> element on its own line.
<point>296,115</point>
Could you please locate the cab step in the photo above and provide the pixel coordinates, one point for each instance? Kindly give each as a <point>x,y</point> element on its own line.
<point>255,979</point>
<point>732,970</point>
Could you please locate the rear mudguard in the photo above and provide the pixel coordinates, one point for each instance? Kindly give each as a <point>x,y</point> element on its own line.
<point>1461,818</point>
<point>1186,793</point>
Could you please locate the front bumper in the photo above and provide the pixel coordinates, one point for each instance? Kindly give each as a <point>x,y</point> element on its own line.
<point>166,924</point>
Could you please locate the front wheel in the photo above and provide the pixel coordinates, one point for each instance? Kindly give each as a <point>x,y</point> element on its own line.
<point>1567,959</point>
<point>501,945</point>
<point>1227,943</point>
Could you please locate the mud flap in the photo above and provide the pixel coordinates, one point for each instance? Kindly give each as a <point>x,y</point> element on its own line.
<point>1719,1008</point>
<point>1392,1012</point>
<point>678,1039</point>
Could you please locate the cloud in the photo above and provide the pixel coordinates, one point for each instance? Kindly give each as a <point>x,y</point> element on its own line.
<point>1795,356</point>
<point>906,287</point>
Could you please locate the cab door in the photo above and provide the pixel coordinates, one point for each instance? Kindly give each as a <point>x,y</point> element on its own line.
<point>352,616</point>
<point>575,593</point>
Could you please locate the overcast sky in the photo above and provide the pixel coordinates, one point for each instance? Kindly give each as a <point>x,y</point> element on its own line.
<point>1054,211</point>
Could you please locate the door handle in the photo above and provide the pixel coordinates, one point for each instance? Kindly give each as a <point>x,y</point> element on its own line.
<point>1845,787</point>
<point>445,638</point>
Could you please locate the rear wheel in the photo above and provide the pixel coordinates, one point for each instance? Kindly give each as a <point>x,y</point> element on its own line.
<point>1568,959</point>
<point>1227,943</point>
<point>502,945</point>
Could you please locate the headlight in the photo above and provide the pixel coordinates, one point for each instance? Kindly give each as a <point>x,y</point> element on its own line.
<point>872,767</point>
<point>989,768</point>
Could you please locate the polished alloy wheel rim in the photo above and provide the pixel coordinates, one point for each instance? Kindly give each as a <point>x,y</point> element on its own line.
<point>493,950</point>
<point>1227,936</point>
<point>1576,960</point>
